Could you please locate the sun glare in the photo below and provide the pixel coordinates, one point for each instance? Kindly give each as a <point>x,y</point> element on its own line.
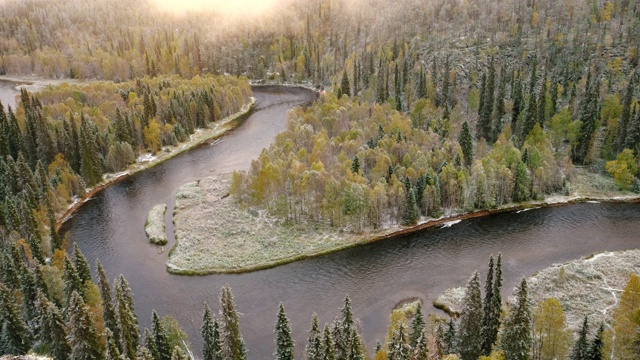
<point>230,7</point>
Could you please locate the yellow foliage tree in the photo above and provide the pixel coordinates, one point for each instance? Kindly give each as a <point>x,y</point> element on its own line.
<point>626,322</point>
<point>623,168</point>
<point>551,339</point>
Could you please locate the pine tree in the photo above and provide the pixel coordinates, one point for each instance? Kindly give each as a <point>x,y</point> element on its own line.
<point>417,326</point>
<point>328,346</point>
<point>126,318</point>
<point>109,315</point>
<point>284,342</point>
<point>345,87</point>
<point>542,103</point>
<point>466,143</point>
<point>632,140</point>
<point>595,348</point>
<point>491,332</point>
<point>150,344</point>
<point>83,338</point>
<point>211,349</point>
<point>518,101</point>
<point>52,329</point>
<point>521,186</point>
<point>178,354</point>
<point>72,281</point>
<point>488,335</point>
<point>412,213</point>
<point>356,350</point>
<point>485,125</point>
<point>160,337</point>
<point>581,347</point>
<point>344,329</point>
<point>15,338</point>
<point>313,349</point>
<point>233,344</point>
<point>355,165</point>
<point>500,109</point>
<point>470,327</point>
<point>588,115</point>
<point>516,338</point>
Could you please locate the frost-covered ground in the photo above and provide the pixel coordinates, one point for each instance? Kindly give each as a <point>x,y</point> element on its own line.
<point>590,286</point>
<point>214,235</point>
<point>154,226</point>
<point>585,287</point>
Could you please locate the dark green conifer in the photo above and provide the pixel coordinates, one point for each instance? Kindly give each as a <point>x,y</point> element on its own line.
<point>284,342</point>
<point>328,346</point>
<point>81,264</point>
<point>72,281</point>
<point>313,349</point>
<point>596,346</point>
<point>398,347</point>
<point>127,318</point>
<point>83,338</point>
<point>112,352</point>
<point>625,117</point>
<point>516,337</point>
<point>345,87</point>
<point>211,348</point>
<point>488,335</point>
<point>470,328</point>
<point>109,314</point>
<point>52,329</point>
<point>521,187</point>
<point>232,341</point>
<point>160,339</point>
<point>581,347</point>
<point>466,143</point>
<point>15,337</point>
<point>417,326</point>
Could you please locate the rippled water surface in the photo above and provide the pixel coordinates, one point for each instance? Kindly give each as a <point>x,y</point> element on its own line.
<point>376,276</point>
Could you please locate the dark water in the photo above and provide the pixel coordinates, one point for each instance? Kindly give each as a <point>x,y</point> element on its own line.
<point>376,276</point>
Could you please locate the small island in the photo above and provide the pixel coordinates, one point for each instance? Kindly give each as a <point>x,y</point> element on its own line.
<point>154,227</point>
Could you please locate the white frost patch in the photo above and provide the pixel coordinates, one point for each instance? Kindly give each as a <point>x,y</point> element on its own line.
<point>154,227</point>
<point>146,158</point>
<point>593,202</point>
<point>523,210</point>
<point>449,224</point>
<point>597,256</point>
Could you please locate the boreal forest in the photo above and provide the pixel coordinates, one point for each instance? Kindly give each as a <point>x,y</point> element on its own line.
<point>426,108</point>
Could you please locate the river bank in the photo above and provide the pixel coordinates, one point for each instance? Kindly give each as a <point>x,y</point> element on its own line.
<point>201,136</point>
<point>213,235</point>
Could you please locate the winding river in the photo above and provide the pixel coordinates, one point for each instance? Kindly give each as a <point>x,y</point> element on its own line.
<point>376,276</point>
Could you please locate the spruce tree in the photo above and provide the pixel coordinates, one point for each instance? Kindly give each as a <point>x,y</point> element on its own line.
<point>83,337</point>
<point>466,143</point>
<point>211,348</point>
<point>284,342</point>
<point>150,344</point>
<point>160,339</point>
<point>485,125</point>
<point>112,352</point>
<point>109,315</point>
<point>421,349</point>
<point>470,327</point>
<point>417,326</point>
<point>488,335</point>
<point>450,340</point>
<point>178,354</point>
<point>233,343</point>
<point>356,350</point>
<point>328,346</point>
<point>313,349</point>
<point>345,87</point>
<point>15,337</point>
<point>491,332</point>
<point>412,213</point>
<point>127,318</point>
<point>500,109</point>
<point>399,348</point>
<point>581,347</point>
<point>632,140</point>
<point>595,348</point>
<point>516,338</point>
<point>52,329</point>
<point>625,118</point>
<point>588,116</point>
<point>344,327</point>
<point>542,103</point>
<point>81,264</point>
<point>518,100</point>
<point>72,281</point>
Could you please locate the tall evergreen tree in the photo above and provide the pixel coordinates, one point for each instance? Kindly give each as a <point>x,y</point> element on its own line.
<point>344,328</point>
<point>211,348</point>
<point>466,143</point>
<point>284,342</point>
<point>625,117</point>
<point>83,337</point>
<point>470,327</point>
<point>356,351</point>
<point>516,338</point>
<point>345,87</point>
<point>72,281</point>
<point>500,109</point>
<point>542,103</point>
<point>632,140</point>
<point>588,116</point>
<point>15,337</point>
<point>486,120</point>
<point>127,318</point>
<point>313,349</point>
<point>232,341</point>
<point>52,329</point>
<point>518,100</point>
<point>81,264</point>
<point>399,348</point>
<point>160,337</point>
<point>112,352</point>
<point>491,331</point>
<point>417,326</point>
<point>581,347</point>
<point>109,315</point>
<point>328,346</point>
<point>421,349</point>
<point>488,335</point>
<point>596,346</point>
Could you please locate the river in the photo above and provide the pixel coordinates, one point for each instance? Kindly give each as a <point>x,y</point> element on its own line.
<point>376,276</point>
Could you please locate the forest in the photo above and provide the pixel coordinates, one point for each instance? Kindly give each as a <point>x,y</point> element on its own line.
<point>430,107</point>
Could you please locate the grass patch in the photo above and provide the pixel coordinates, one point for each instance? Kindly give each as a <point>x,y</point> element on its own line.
<point>450,301</point>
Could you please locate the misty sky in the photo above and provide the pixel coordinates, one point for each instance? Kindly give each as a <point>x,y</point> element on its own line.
<point>235,7</point>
